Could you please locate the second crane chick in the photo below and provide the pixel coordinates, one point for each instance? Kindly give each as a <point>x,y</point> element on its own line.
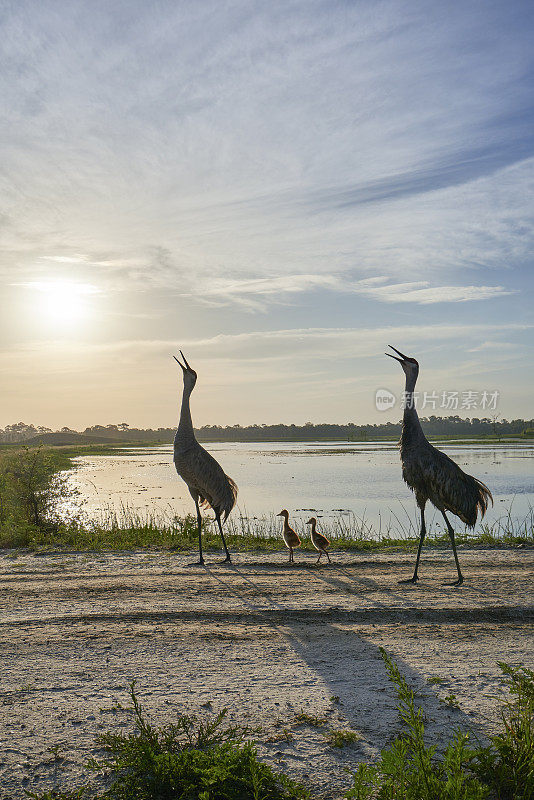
<point>319,541</point>
<point>290,537</point>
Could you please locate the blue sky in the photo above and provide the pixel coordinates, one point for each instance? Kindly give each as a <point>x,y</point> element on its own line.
<point>280,189</point>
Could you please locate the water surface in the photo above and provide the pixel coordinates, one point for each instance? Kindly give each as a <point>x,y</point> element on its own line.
<point>334,481</point>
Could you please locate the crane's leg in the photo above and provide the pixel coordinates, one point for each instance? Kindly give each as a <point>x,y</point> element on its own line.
<point>199,523</point>
<point>328,556</point>
<point>320,554</point>
<point>290,555</point>
<point>451,536</point>
<point>422,535</point>
<point>219,523</point>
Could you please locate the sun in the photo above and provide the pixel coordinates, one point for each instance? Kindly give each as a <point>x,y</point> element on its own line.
<point>63,304</point>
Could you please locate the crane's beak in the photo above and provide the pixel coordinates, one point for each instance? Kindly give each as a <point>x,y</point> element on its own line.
<point>309,522</point>
<point>185,361</point>
<point>402,356</point>
<point>187,367</point>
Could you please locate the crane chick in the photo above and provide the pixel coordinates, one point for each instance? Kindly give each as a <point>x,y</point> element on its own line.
<point>319,541</point>
<point>432,475</point>
<point>290,537</point>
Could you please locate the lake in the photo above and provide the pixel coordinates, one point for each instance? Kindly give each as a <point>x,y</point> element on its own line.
<point>340,483</point>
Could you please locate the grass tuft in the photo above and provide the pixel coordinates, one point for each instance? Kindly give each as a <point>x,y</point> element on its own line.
<point>341,738</point>
<point>314,721</point>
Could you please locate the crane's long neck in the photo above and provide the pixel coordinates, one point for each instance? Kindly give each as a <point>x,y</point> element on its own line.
<point>185,434</point>
<point>411,427</point>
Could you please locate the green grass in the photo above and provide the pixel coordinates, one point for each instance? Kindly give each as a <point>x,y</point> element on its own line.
<point>314,721</point>
<point>435,680</point>
<point>133,531</point>
<point>451,701</point>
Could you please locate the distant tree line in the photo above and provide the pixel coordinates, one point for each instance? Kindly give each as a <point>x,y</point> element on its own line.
<point>433,426</point>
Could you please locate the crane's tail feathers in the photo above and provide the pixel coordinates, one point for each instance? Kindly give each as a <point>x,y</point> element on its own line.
<point>476,501</point>
<point>484,497</point>
<point>232,497</point>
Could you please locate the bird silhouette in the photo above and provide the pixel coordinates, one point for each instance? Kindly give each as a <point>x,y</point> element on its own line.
<point>206,480</point>
<point>290,537</point>
<point>319,541</point>
<point>432,475</point>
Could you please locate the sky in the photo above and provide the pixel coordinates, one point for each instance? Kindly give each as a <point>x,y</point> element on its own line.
<point>278,189</point>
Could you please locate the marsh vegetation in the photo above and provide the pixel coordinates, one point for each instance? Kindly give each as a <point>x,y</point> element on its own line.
<point>40,508</point>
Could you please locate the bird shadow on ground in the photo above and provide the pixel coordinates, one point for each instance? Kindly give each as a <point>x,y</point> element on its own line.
<point>345,674</point>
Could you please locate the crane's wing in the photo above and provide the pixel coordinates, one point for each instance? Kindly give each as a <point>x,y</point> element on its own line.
<point>205,476</point>
<point>450,487</point>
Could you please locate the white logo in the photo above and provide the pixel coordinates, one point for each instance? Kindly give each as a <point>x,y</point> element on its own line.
<point>384,399</point>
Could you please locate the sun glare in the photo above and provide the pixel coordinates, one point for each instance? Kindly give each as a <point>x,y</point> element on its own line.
<point>63,303</point>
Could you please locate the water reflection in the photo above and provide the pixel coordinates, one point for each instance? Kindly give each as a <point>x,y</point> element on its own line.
<point>340,482</point>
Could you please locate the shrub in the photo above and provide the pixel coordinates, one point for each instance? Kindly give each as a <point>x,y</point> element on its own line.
<point>30,487</point>
<point>409,769</point>
<point>507,764</point>
<point>190,760</point>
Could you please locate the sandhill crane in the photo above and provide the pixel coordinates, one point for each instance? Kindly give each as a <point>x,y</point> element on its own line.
<point>290,537</point>
<point>432,475</point>
<point>205,478</point>
<point>319,541</point>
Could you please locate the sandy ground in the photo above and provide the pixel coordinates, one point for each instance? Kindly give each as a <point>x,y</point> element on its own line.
<point>260,637</point>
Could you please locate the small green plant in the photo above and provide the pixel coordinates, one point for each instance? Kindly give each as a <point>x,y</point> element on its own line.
<point>25,688</point>
<point>285,735</point>
<point>341,738</point>
<point>450,700</point>
<point>314,721</point>
<point>55,752</point>
<point>435,680</point>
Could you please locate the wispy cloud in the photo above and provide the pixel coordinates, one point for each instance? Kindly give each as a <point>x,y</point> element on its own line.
<point>256,294</point>
<point>76,259</point>
<point>264,147</point>
<point>422,292</point>
<point>282,344</point>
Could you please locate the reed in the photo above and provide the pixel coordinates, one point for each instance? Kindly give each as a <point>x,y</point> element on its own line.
<point>130,529</point>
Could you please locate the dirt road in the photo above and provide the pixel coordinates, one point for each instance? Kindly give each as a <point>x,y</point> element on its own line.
<point>262,638</point>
